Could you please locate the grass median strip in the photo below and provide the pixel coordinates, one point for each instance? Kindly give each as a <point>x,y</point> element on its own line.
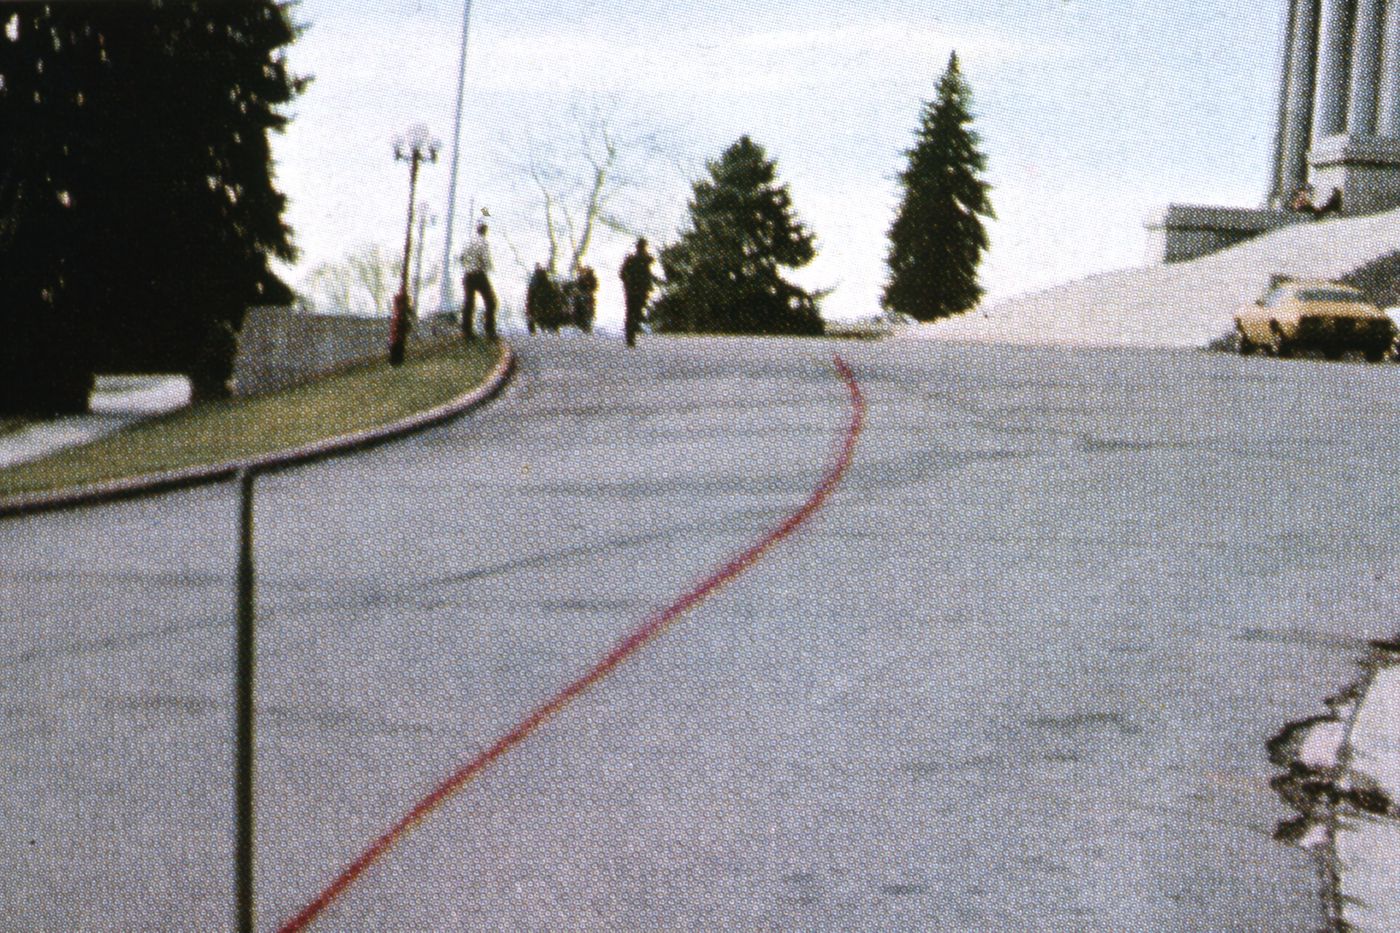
<point>353,400</point>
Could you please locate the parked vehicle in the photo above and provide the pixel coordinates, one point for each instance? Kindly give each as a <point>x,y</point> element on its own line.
<point>1314,316</point>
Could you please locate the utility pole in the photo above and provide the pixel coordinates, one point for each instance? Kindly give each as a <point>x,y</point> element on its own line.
<point>446,301</point>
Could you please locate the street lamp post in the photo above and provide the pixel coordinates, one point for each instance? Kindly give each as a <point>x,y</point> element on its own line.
<point>415,147</point>
<point>426,219</point>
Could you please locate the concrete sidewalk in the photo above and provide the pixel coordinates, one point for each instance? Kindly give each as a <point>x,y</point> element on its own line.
<point>116,402</point>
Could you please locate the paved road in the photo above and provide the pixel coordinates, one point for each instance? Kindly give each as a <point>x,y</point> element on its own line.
<point>1017,675</point>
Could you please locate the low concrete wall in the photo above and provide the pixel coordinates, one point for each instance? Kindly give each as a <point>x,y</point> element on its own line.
<point>279,347</point>
<point>1187,231</point>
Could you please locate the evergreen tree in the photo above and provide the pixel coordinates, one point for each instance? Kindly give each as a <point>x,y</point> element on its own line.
<point>723,274</point>
<point>937,238</point>
<point>43,360</point>
<point>138,211</point>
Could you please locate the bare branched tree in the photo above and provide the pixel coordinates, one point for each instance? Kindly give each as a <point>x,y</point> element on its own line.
<point>363,282</point>
<point>330,286</point>
<point>577,200</point>
<point>376,271</point>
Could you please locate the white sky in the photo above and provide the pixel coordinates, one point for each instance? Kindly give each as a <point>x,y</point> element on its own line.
<point>1092,115</point>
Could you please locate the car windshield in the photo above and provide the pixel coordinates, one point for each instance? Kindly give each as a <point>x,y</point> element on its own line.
<point>1327,294</point>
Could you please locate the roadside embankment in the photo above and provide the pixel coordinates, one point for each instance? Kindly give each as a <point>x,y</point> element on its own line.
<point>355,407</point>
<point>1183,304</point>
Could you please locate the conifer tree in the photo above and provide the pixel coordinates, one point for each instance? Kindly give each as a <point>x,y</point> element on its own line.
<point>138,211</point>
<point>724,273</point>
<point>938,238</point>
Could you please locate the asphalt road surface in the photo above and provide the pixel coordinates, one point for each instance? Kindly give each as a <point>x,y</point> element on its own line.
<point>1016,675</point>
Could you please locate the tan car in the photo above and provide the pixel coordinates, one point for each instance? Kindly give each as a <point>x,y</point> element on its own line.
<point>1299,316</point>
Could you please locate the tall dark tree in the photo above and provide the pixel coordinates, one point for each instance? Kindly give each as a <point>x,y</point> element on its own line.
<point>724,273</point>
<point>938,238</point>
<point>44,362</point>
<point>137,202</point>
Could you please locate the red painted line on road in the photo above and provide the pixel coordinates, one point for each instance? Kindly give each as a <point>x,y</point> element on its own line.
<point>629,646</point>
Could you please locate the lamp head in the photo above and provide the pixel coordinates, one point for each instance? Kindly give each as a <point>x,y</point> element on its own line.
<point>416,141</point>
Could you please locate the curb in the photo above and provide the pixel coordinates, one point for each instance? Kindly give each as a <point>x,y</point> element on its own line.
<point>131,487</point>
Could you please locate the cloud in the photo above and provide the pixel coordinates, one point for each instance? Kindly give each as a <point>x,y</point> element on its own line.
<point>718,63</point>
<point>892,40</point>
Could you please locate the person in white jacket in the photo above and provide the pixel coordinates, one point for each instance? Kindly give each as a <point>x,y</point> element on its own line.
<point>476,260</point>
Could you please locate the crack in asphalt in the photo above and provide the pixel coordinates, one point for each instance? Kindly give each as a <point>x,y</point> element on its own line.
<point>367,596</point>
<point>1299,636</point>
<point>199,707</point>
<point>117,641</point>
<point>163,578</point>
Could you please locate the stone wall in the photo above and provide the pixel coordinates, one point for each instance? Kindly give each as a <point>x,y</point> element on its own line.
<point>279,347</point>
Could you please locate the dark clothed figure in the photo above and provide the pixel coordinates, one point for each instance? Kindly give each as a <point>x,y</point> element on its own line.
<point>637,282</point>
<point>542,301</point>
<point>1302,202</point>
<point>585,299</point>
<point>473,284</point>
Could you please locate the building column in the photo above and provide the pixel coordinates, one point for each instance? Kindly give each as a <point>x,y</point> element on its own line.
<point>1276,182</point>
<point>1277,186</point>
<point>1365,64</point>
<point>1388,111</point>
<point>1295,131</point>
<point>1333,40</point>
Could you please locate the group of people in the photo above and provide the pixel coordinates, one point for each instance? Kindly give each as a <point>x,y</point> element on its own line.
<point>636,273</point>
<point>1304,202</point>
<point>550,304</point>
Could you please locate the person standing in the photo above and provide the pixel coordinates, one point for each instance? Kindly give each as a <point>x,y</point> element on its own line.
<point>476,260</point>
<point>536,298</point>
<point>637,282</point>
<point>585,299</point>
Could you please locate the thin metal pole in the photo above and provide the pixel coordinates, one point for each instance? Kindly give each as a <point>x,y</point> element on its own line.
<point>408,232</point>
<point>246,658</point>
<point>447,303</point>
<point>418,260</point>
